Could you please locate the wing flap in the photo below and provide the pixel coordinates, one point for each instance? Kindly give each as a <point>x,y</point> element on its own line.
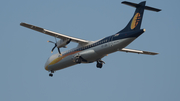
<point>138,51</point>
<point>54,34</point>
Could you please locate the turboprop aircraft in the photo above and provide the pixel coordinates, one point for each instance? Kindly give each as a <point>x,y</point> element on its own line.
<point>94,51</point>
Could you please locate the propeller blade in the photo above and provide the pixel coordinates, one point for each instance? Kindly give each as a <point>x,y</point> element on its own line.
<point>68,41</point>
<point>56,46</point>
<point>59,51</point>
<point>56,39</point>
<point>51,42</point>
<point>53,48</point>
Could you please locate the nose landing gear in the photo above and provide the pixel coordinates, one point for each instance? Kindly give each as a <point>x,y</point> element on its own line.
<point>51,74</point>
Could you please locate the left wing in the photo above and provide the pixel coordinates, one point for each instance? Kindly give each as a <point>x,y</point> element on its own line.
<point>138,51</point>
<point>54,34</point>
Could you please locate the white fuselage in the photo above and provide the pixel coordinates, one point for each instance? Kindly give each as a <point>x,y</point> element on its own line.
<point>91,54</point>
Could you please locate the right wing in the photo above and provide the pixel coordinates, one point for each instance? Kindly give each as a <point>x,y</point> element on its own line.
<point>54,34</point>
<point>138,51</point>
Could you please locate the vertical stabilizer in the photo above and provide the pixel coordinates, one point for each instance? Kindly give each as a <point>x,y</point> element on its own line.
<point>136,20</point>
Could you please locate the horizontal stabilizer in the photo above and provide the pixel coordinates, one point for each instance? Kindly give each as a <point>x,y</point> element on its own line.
<point>138,51</point>
<point>137,5</point>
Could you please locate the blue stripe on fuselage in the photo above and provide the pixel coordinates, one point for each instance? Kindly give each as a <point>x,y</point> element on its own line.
<point>117,36</point>
<point>123,35</point>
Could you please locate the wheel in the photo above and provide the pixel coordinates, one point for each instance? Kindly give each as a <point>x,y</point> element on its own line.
<point>99,65</point>
<point>78,60</point>
<point>51,75</point>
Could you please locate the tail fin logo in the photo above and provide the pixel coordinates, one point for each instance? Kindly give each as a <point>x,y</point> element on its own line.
<point>135,20</point>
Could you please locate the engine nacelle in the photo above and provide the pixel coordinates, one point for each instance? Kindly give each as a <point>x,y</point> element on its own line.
<point>63,43</point>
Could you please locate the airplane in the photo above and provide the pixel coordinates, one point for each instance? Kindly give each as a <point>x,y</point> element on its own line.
<point>94,51</point>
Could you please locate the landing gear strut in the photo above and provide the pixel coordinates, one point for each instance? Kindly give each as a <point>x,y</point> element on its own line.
<point>51,74</point>
<point>99,63</point>
<point>78,60</point>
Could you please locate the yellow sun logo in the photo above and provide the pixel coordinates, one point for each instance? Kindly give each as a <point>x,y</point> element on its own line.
<point>135,20</point>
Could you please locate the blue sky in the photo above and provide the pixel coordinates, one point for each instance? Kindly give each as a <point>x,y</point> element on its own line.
<point>124,77</point>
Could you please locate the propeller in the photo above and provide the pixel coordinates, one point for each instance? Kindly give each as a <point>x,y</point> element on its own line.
<point>62,44</point>
<point>55,45</point>
<point>69,40</point>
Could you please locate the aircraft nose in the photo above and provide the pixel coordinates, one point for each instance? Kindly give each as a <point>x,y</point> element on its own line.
<point>46,65</point>
<point>46,68</point>
<point>51,60</point>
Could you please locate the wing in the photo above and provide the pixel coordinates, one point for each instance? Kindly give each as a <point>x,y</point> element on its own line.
<point>54,34</point>
<point>138,51</point>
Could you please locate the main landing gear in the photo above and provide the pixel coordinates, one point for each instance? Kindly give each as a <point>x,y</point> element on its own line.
<point>51,74</point>
<point>78,60</point>
<point>100,63</point>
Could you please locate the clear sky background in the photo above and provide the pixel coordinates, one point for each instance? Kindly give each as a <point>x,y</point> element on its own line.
<point>124,77</point>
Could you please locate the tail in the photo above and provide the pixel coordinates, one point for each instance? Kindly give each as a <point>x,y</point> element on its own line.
<point>135,22</point>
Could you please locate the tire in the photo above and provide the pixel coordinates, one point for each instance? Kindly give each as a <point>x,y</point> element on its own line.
<point>99,65</point>
<point>51,75</point>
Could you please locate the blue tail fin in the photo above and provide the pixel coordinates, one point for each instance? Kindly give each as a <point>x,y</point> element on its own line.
<point>136,20</point>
